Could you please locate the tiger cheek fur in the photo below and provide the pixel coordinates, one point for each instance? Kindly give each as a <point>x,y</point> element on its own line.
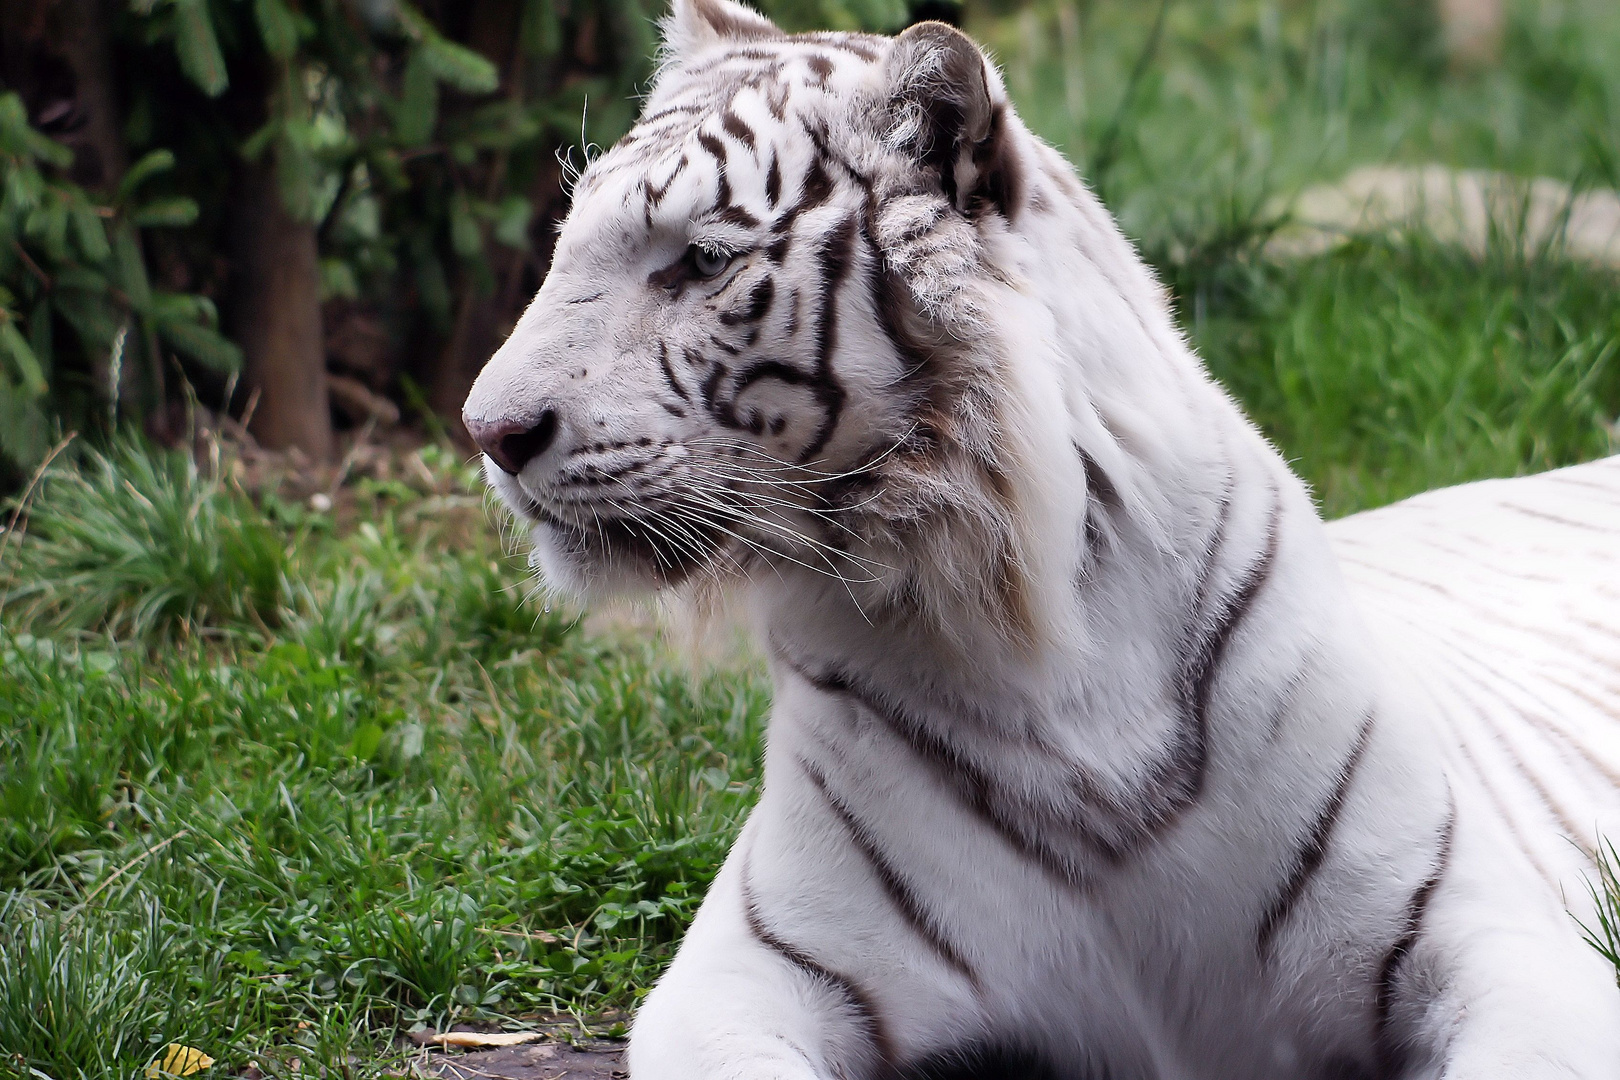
<point>1082,760</point>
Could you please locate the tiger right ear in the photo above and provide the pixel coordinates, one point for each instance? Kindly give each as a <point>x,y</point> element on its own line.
<point>695,25</point>
<point>947,110</point>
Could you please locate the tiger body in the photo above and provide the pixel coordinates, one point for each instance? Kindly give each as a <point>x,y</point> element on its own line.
<point>1084,760</point>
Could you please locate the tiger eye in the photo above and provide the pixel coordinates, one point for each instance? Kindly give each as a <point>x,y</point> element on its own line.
<point>708,263</point>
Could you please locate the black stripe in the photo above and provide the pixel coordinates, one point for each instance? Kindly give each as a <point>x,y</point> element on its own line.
<point>1100,488</point>
<point>991,1061</point>
<point>836,255</point>
<point>1217,546</point>
<point>717,150</point>
<point>1101,496</point>
<point>733,125</point>
<point>821,68</point>
<point>776,99</point>
<point>1111,822</point>
<point>759,304</point>
<point>1188,764</point>
<point>655,192</point>
<point>669,372</point>
<point>736,215</point>
<point>1390,1049</point>
<point>1314,851</point>
<point>685,109</point>
<point>725,409</point>
<point>840,39</point>
<point>894,884</point>
<point>792,326</point>
<point>710,387</point>
<point>891,299</point>
<point>816,188</point>
<point>969,783</point>
<point>773,183</point>
<point>855,996</point>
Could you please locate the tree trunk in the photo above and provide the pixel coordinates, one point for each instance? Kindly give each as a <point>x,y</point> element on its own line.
<point>278,316</point>
<point>99,156</point>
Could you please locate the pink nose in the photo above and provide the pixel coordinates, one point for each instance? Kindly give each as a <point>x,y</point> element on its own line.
<point>512,444</point>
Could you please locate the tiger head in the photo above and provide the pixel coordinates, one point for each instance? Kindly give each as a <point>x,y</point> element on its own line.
<point>750,346</point>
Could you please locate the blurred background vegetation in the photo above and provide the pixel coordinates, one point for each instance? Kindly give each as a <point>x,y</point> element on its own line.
<point>312,216</point>
<point>336,199</point>
<point>287,767</point>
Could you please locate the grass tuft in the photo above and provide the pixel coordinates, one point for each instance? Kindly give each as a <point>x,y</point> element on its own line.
<point>1605,936</point>
<point>133,541</point>
<point>83,1001</point>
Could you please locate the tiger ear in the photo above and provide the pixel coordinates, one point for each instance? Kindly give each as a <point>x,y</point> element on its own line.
<point>695,25</point>
<point>948,111</point>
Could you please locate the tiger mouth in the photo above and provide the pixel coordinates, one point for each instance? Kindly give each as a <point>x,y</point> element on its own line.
<point>671,553</point>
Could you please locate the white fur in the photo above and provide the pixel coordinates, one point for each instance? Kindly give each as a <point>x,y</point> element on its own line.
<point>1094,914</point>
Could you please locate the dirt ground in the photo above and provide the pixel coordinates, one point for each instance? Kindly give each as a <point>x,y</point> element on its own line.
<point>537,1061</point>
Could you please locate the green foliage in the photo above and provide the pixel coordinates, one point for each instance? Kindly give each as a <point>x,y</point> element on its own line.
<point>1192,133</point>
<point>428,167</point>
<point>403,799</point>
<point>69,258</point>
<point>92,1000</point>
<point>415,155</point>
<point>134,542</point>
<point>1388,368</point>
<point>198,47</point>
<point>1605,891</point>
<point>881,16</point>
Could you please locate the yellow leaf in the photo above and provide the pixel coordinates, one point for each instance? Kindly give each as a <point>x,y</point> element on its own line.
<point>178,1061</point>
<point>485,1038</point>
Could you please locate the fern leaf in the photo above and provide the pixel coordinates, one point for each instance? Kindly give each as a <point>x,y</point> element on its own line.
<point>459,66</point>
<point>208,347</point>
<point>23,360</point>
<point>276,28</point>
<point>418,101</point>
<point>175,212</point>
<point>198,48</point>
<point>131,268</point>
<point>90,233</point>
<point>149,166</point>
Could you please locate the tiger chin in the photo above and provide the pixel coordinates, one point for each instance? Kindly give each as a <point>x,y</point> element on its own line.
<point>1084,761</point>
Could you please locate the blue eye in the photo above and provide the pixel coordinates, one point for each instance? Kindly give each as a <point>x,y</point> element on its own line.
<point>708,263</point>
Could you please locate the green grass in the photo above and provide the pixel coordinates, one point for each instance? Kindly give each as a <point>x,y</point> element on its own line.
<point>1388,368</point>
<point>134,543</point>
<point>392,797</point>
<point>276,783</point>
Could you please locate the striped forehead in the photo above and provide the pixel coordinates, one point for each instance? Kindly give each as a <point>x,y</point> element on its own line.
<point>730,106</point>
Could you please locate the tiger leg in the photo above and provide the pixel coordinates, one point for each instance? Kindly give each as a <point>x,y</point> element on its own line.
<point>1494,981</point>
<point>730,1008</point>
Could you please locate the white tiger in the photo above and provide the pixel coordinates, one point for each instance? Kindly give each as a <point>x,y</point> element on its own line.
<point>1083,762</point>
